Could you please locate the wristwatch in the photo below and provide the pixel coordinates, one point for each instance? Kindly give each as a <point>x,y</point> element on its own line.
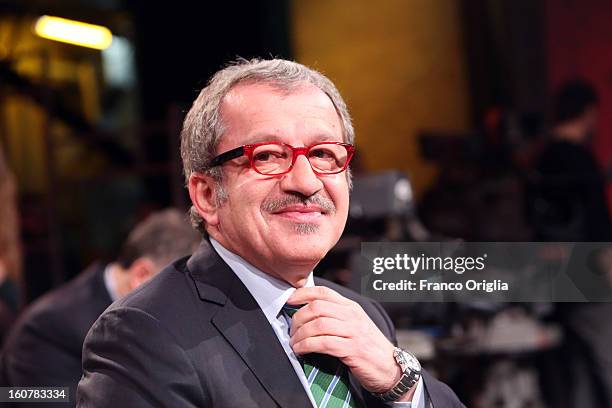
<point>411,373</point>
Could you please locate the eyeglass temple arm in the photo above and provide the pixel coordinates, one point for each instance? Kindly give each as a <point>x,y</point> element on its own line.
<point>227,156</point>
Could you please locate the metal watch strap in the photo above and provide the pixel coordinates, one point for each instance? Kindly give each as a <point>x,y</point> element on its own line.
<point>407,381</point>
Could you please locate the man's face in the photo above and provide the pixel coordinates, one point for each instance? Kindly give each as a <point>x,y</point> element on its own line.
<point>284,224</point>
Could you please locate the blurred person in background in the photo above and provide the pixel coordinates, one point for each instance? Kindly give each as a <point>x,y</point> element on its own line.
<point>44,346</point>
<point>10,248</point>
<point>568,203</point>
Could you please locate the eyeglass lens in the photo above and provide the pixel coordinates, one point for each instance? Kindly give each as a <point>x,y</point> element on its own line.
<point>276,158</point>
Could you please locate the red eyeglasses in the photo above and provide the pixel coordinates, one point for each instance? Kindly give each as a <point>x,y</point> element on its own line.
<point>276,158</point>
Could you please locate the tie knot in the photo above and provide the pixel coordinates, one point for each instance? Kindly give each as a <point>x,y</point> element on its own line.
<point>290,310</point>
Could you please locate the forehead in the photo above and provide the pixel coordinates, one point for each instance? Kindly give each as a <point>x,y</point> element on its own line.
<point>258,112</point>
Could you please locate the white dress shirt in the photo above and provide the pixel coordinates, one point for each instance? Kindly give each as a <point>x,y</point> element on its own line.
<point>271,294</point>
<point>109,283</point>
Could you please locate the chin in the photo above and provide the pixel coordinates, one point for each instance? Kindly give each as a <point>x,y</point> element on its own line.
<point>307,241</point>
<point>306,250</point>
<point>306,228</point>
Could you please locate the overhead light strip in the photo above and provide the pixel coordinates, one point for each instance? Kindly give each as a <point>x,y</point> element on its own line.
<point>73,32</point>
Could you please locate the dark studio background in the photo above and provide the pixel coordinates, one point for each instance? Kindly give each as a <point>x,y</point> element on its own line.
<point>453,96</point>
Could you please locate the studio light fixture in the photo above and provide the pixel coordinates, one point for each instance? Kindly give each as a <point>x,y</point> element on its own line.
<point>73,32</point>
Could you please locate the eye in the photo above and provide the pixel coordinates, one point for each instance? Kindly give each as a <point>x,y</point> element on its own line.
<point>268,155</point>
<point>321,153</point>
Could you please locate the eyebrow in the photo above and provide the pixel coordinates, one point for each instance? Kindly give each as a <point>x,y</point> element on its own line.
<point>271,137</point>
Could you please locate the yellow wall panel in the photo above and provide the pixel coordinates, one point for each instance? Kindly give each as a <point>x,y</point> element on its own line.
<point>400,66</point>
<point>24,124</point>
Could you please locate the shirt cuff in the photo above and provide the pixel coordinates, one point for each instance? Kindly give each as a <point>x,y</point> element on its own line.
<point>418,400</point>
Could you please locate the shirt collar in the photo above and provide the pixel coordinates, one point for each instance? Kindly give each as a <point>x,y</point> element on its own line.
<point>269,292</point>
<point>109,283</point>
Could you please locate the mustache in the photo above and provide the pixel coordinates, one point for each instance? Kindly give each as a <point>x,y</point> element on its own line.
<point>277,204</point>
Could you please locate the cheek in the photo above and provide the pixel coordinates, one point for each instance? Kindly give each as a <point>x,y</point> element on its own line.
<point>339,193</point>
<point>244,201</point>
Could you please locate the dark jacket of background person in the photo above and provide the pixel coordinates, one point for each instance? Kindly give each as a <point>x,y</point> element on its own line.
<point>569,204</point>
<point>572,193</point>
<point>50,335</point>
<point>44,348</point>
<point>568,201</point>
<point>216,348</point>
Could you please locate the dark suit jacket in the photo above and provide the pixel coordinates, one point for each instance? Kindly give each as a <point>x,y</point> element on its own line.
<point>44,347</point>
<point>195,337</point>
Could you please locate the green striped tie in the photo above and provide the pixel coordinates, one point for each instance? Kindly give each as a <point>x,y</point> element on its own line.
<point>327,376</point>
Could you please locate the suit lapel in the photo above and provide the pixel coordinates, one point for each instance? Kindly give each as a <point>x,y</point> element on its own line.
<point>357,392</point>
<point>242,323</point>
<point>436,393</point>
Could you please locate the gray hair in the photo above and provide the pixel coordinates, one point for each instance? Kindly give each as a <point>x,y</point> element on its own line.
<point>203,126</point>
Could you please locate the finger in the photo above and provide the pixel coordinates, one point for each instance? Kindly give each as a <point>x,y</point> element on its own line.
<point>305,295</point>
<point>331,345</point>
<point>320,308</point>
<point>323,326</point>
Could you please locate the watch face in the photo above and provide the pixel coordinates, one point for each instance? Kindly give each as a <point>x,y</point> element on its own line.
<point>412,362</point>
<point>407,360</point>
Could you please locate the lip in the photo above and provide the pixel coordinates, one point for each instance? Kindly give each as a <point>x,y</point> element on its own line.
<point>301,213</point>
<point>300,209</point>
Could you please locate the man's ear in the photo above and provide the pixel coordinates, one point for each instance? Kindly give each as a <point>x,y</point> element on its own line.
<point>141,270</point>
<point>202,193</point>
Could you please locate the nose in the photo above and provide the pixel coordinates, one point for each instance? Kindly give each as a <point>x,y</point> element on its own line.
<point>301,179</point>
